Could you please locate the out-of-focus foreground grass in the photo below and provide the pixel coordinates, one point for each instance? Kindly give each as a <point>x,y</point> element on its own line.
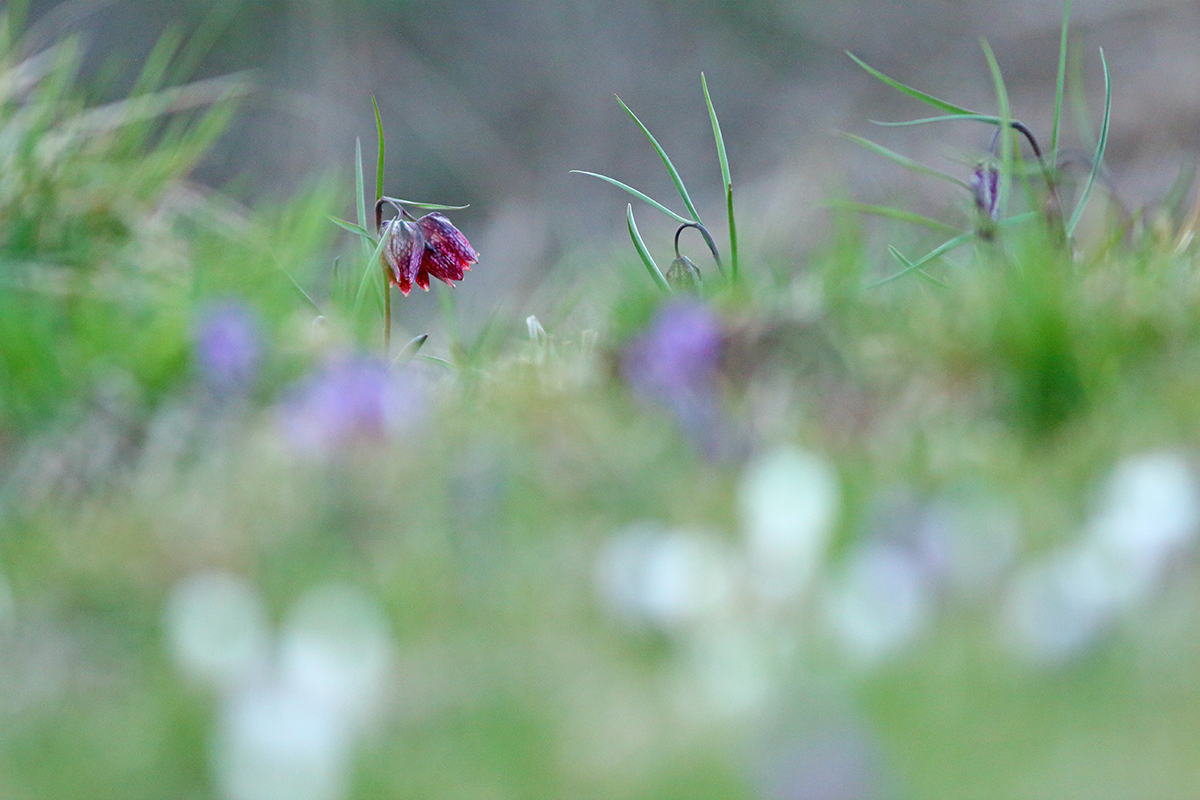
<point>799,539</point>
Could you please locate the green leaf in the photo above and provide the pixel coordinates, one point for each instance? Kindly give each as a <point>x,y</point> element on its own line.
<point>940,250</point>
<point>1005,122</point>
<point>674,173</point>
<point>988,118</point>
<point>428,206</point>
<point>903,161</point>
<point>946,247</point>
<point>644,254</point>
<point>360,205</point>
<point>373,269</point>
<point>892,213</point>
<point>908,90</point>
<point>410,350</point>
<point>1101,143</point>
<point>725,179</point>
<point>644,198</point>
<point>379,159</point>
<point>350,226</point>
<point>904,262</point>
<point>1059,83</point>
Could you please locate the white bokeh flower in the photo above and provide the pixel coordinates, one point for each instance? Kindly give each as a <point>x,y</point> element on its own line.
<point>789,501</point>
<point>882,602</point>
<point>663,578</point>
<point>336,650</point>
<point>274,743</point>
<point>217,628</point>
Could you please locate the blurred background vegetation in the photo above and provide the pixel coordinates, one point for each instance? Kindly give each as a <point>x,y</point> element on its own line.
<point>492,104</point>
<point>792,540</point>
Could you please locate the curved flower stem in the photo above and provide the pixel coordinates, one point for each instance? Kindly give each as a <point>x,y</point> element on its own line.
<point>712,246</point>
<point>394,203</point>
<point>1053,206</point>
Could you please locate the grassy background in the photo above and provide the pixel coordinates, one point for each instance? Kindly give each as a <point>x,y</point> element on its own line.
<point>544,583</point>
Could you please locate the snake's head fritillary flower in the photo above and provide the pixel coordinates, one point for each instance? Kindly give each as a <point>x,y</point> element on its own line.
<point>429,246</point>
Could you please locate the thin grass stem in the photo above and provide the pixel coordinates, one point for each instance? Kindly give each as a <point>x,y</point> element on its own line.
<point>1059,83</point>
<point>644,254</point>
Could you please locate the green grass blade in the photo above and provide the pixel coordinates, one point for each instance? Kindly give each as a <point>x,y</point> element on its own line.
<point>200,44</point>
<point>644,254</point>
<point>913,266</point>
<point>988,118</point>
<point>1005,123</point>
<point>908,265</point>
<point>946,247</point>
<point>1098,159</point>
<point>350,226</point>
<point>158,62</point>
<point>429,206</point>
<point>1059,83</point>
<point>644,198</point>
<point>723,158</point>
<point>903,161</point>
<point>360,206</point>
<point>1077,97</point>
<point>410,350</point>
<point>674,173</point>
<point>917,94</point>
<point>379,159</point>
<point>373,269</point>
<point>892,213</point>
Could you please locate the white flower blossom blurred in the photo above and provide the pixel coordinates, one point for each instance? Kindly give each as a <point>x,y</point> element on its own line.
<point>789,501</point>
<point>663,578</point>
<point>291,712</point>
<point>217,626</point>
<point>1062,603</point>
<point>274,743</point>
<point>881,602</point>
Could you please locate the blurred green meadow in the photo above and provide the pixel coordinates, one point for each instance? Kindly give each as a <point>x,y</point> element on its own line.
<point>806,531</point>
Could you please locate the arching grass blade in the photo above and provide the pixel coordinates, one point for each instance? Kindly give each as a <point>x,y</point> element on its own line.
<point>917,94</point>
<point>674,173</point>
<point>903,161</point>
<point>1101,143</point>
<point>644,198</point>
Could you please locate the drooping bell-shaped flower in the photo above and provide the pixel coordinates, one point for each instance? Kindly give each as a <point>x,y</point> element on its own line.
<point>431,245</point>
<point>683,275</point>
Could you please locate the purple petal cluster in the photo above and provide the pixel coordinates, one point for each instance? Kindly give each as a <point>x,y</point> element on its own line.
<point>351,399</point>
<point>674,363</point>
<point>228,347</point>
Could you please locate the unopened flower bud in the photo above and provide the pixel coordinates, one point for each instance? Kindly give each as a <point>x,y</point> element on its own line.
<point>985,185</point>
<point>683,275</point>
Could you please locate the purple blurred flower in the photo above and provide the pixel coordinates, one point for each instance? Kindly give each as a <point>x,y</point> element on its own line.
<point>351,399</point>
<point>674,363</point>
<point>228,347</point>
